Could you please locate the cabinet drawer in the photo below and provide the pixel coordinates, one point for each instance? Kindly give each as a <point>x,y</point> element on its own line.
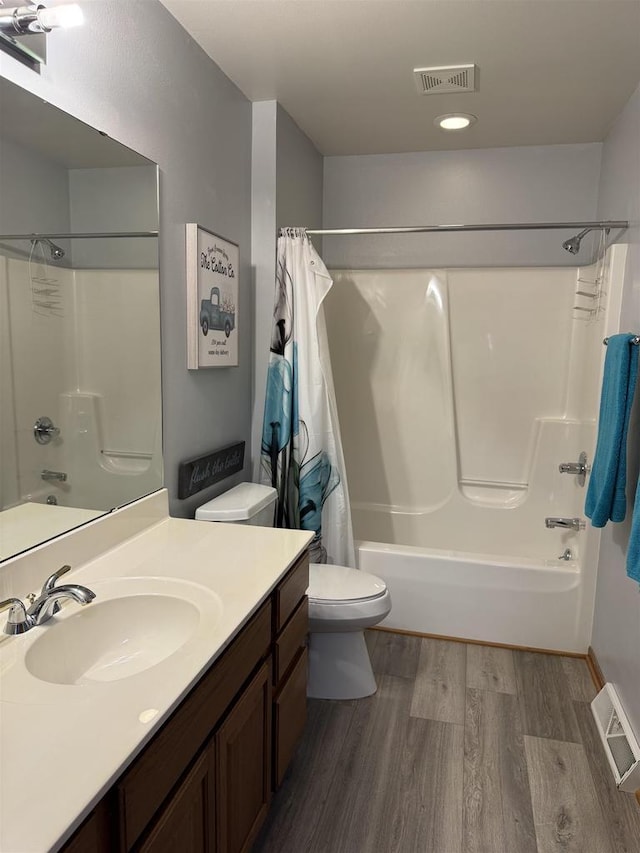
<point>290,592</point>
<point>144,787</point>
<point>290,717</point>
<point>292,638</point>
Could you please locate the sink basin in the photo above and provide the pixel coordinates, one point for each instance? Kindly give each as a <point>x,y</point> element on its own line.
<point>125,631</point>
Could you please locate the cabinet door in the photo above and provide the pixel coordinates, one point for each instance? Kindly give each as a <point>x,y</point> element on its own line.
<point>290,717</point>
<point>243,777</point>
<point>187,823</point>
<point>94,836</point>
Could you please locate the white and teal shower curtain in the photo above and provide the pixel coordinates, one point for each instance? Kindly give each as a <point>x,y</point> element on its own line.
<point>301,448</point>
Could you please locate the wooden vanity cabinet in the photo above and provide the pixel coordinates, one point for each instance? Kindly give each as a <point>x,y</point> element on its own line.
<point>203,784</point>
<point>290,661</point>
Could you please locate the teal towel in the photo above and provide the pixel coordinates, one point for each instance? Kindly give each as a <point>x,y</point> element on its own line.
<point>606,497</point>
<point>633,551</point>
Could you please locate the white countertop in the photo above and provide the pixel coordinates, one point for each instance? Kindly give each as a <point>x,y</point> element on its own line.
<point>63,746</point>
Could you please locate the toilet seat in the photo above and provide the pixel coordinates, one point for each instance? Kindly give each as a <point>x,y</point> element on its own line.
<point>329,584</point>
<point>354,600</point>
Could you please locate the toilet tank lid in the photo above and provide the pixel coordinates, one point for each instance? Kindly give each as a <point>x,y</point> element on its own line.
<point>238,504</point>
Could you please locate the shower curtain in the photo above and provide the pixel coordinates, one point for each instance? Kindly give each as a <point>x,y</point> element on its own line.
<point>301,452</point>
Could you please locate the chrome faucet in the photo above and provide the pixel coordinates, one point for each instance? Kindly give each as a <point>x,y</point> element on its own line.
<point>60,476</point>
<point>45,605</point>
<point>566,523</point>
<point>48,602</point>
<point>566,555</point>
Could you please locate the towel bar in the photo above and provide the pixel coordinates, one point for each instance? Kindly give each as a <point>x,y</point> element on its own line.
<point>635,341</point>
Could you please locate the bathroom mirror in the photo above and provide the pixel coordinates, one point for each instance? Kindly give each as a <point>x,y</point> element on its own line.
<point>80,396</point>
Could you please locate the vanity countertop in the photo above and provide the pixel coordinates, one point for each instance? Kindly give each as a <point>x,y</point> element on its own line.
<point>63,745</point>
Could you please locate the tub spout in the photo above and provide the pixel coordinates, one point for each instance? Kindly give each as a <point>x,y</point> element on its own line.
<point>566,523</point>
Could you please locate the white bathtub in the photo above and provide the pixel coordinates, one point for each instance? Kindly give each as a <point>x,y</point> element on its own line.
<point>515,601</point>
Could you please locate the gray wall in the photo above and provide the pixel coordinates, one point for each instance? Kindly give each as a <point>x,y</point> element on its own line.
<point>616,630</point>
<point>532,184</point>
<point>117,198</point>
<point>288,168</point>
<point>299,177</point>
<point>25,178</point>
<point>134,73</point>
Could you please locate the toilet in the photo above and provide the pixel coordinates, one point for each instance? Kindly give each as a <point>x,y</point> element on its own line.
<point>343,602</point>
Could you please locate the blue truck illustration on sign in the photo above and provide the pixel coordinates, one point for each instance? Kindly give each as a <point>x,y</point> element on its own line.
<point>214,316</point>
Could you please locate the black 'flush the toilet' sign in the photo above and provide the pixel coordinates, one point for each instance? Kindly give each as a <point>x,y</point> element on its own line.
<point>203,471</point>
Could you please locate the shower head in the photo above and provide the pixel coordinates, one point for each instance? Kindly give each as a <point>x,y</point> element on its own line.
<point>57,252</point>
<point>572,245</point>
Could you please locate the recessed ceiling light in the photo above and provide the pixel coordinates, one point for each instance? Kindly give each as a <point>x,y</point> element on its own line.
<point>455,121</point>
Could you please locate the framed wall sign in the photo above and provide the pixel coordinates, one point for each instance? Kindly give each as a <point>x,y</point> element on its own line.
<point>212,299</point>
<point>203,471</point>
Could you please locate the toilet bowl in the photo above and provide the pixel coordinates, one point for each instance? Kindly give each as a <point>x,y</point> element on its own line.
<point>342,603</point>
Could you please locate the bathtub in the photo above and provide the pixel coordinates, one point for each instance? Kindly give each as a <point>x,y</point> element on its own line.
<point>518,601</point>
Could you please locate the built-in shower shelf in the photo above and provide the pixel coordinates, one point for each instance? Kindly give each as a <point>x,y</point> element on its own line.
<point>494,493</point>
<point>127,454</point>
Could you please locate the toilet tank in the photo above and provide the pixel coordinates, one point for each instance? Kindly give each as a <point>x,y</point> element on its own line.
<point>247,503</point>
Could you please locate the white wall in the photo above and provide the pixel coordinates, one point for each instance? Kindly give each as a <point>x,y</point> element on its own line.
<point>532,184</point>
<point>134,73</point>
<point>616,630</point>
<point>286,190</point>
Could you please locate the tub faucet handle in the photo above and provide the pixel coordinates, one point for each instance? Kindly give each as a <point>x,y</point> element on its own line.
<point>580,468</point>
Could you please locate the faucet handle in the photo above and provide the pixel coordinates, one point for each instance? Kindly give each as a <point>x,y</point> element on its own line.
<point>51,580</point>
<point>18,620</point>
<point>50,584</point>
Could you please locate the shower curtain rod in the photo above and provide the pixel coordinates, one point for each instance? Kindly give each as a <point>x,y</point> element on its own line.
<point>514,226</point>
<point>78,236</point>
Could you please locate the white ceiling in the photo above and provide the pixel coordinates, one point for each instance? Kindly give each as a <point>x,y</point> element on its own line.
<point>550,71</point>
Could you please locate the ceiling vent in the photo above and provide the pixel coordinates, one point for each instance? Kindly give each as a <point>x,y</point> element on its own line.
<point>446,78</point>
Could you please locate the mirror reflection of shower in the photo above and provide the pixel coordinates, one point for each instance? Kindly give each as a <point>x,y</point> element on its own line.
<point>46,298</point>
<point>572,245</point>
<point>56,252</point>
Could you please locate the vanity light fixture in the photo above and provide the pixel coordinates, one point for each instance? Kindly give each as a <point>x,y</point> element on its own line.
<point>36,18</point>
<point>455,121</point>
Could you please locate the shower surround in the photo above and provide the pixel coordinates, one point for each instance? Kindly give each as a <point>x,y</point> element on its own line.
<point>88,365</point>
<point>460,392</point>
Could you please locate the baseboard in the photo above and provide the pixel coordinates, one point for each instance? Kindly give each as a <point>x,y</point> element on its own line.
<point>594,669</point>
<point>483,643</point>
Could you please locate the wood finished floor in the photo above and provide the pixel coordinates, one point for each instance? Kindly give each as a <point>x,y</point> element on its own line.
<point>463,749</point>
